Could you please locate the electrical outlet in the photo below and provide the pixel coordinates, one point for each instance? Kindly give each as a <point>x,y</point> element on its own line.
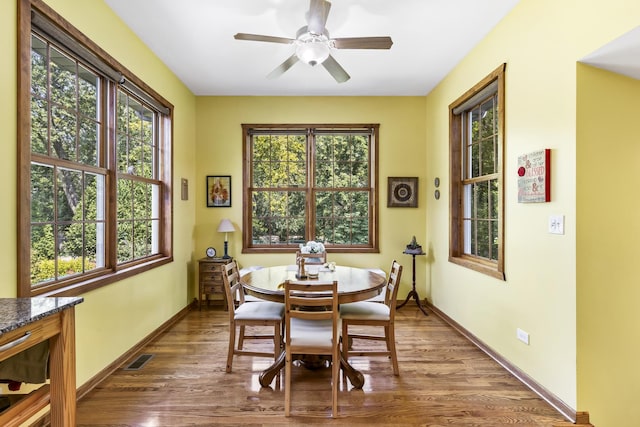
<point>522,336</point>
<point>556,224</point>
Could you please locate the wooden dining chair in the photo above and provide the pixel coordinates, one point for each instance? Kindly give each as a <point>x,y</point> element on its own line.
<point>312,327</point>
<point>241,314</point>
<point>313,259</point>
<point>373,314</point>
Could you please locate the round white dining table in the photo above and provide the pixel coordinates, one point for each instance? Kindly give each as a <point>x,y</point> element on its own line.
<point>354,284</point>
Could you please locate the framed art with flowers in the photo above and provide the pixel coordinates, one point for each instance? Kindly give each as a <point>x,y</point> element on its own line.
<point>219,191</point>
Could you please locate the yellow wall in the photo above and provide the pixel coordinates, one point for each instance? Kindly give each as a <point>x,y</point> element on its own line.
<point>608,232</point>
<point>401,150</point>
<point>571,293</point>
<point>541,41</point>
<point>113,319</point>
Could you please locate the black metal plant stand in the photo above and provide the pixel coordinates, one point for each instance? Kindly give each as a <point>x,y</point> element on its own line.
<point>413,293</point>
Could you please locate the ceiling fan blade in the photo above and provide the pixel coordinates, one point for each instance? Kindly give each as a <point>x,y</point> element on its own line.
<point>317,16</point>
<point>260,38</point>
<point>280,69</point>
<point>363,43</point>
<point>336,71</point>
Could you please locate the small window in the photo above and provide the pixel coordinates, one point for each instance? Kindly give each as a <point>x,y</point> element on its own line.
<point>306,183</point>
<point>476,143</point>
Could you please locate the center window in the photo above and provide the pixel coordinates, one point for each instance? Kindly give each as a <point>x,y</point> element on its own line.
<point>305,183</point>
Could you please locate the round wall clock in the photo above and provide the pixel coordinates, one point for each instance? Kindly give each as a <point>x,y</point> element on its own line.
<point>211,252</point>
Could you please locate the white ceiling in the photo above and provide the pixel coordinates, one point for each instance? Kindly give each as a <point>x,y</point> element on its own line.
<point>194,38</point>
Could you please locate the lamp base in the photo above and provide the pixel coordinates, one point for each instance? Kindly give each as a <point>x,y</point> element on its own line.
<point>226,255</point>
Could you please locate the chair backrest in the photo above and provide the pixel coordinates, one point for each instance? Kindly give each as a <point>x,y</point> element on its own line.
<point>393,283</point>
<point>313,259</point>
<point>310,301</point>
<point>232,286</point>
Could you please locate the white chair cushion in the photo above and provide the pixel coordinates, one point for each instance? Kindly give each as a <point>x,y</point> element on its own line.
<point>260,310</point>
<point>315,333</point>
<point>364,310</point>
<point>378,298</point>
<point>251,298</point>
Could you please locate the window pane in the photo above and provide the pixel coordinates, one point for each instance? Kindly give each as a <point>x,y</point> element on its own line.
<point>63,80</point>
<point>42,253</point>
<point>69,193</point>
<point>89,142</point>
<point>38,67</point>
<point>260,204</point>
<point>88,93</point>
<point>482,199</point>
<point>495,195</point>
<point>94,235</point>
<point>125,241</point>
<point>39,126</point>
<point>63,134</point>
<point>121,153</point>
<point>125,199</point>
<point>142,238</point>
<point>69,261</point>
<point>483,239</point>
<point>42,193</point>
<point>94,197</point>
<point>487,128</point>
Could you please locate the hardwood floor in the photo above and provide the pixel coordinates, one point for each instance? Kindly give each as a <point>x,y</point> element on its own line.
<point>444,380</point>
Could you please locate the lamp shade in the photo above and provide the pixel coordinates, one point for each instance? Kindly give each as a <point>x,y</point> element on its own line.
<point>226,226</point>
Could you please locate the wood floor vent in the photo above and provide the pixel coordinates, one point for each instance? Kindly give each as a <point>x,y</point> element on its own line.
<point>139,362</point>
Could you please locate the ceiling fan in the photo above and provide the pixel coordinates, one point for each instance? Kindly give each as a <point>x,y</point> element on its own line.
<point>313,43</point>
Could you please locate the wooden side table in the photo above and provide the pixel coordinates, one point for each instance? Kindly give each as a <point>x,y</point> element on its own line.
<point>413,293</point>
<point>210,279</point>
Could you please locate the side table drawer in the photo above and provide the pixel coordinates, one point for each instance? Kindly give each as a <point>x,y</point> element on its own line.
<point>208,288</point>
<point>214,276</point>
<point>210,279</point>
<point>210,267</point>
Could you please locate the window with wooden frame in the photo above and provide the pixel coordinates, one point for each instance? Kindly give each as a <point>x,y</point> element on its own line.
<point>94,180</point>
<point>476,142</point>
<point>310,182</point>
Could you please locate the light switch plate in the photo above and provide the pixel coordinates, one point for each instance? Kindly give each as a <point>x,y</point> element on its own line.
<point>556,224</point>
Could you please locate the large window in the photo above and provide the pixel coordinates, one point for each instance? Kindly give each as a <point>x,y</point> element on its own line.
<point>94,184</point>
<point>476,144</point>
<point>304,182</point>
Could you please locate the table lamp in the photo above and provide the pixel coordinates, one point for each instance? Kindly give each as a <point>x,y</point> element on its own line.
<point>226,227</point>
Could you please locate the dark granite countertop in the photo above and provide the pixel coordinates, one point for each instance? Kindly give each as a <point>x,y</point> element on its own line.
<point>18,312</point>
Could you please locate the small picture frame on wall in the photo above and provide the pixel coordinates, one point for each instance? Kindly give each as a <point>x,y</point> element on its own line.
<point>402,192</point>
<point>219,191</point>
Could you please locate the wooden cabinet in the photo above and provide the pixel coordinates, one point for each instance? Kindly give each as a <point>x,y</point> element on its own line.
<point>210,279</point>
<point>25,322</point>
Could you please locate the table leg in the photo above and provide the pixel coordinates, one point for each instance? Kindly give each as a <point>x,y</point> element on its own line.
<point>413,293</point>
<point>266,377</point>
<point>355,377</point>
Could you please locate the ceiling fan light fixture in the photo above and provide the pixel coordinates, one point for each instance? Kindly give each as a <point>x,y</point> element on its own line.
<point>313,52</point>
